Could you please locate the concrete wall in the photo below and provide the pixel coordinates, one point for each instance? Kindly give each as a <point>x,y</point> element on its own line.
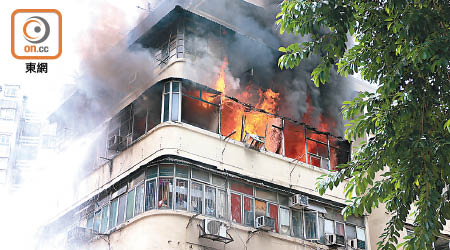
<point>170,230</point>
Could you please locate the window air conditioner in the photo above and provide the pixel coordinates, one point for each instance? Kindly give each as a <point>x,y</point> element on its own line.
<point>79,235</point>
<point>334,240</point>
<point>265,223</point>
<point>115,142</point>
<point>357,244</point>
<point>298,201</point>
<point>213,229</point>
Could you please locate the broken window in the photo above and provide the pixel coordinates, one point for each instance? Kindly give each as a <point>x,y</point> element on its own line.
<point>113,213</point>
<point>285,221</point>
<point>196,197</point>
<point>119,129</point>
<point>165,193</point>
<point>181,192</point>
<point>172,103</point>
<point>249,211</point>
<point>130,204</point>
<point>221,204</point>
<point>297,223</point>
<point>231,119</point>
<point>236,208</point>
<point>150,194</point>
<point>210,201</point>
<point>294,141</point>
<point>121,209</point>
<point>311,225</point>
<point>139,202</point>
<point>200,107</point>
<point>317,148</point>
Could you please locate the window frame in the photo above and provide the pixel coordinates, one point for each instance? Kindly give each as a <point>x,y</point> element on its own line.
<point>170,95</point>
<point>317,224</point>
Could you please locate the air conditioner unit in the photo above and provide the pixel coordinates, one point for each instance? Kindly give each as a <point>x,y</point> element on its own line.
<point>265,223</point>
<point>114,142</point>
<point>357,244</point>
<point>79,235</point>
<point>334,240</point>
<point>214,229</point>
<point>298,201</point>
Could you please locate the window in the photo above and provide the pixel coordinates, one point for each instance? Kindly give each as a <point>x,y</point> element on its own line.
<point>171,102</point>
<point>328,227</point>
<point>130,204</point>
<point>166,170</point>
<point>285,221</point>
<point>241,187</point>
<point>97,221</point>
<point>90,221</point>
<point>311,225</point>
<point>221,204</point>
<point>152,172</point>
<point>165,193</point>
<point>297,223</point>
<point>11,91</point>
<point>210,201</point>
<point>249,211</point>
<point>4,139</point>
<point>260,208</point>
<point>361,236</point>
<point>139,202</point>
<point>350,231</point>
<point>150,195</point>
<point>7,114</point>
<point>121,210</point>
<point>273,213</point>
<point>104,222</point>
<point>200,175</point>
<point>218,181</point>
<point>113,213</point>
<point>182,171</point>
<point>340,228</point>
<point>196,197</point>
<point>181,192</point>
<point>266,195</point>
<point>236,208</point>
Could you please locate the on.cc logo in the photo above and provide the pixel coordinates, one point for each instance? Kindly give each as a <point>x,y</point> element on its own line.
<point>39,29</point>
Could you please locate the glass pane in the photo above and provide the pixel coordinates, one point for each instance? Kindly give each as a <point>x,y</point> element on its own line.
<point>284,200</point>
<point>260,208</point>
<point>196,197</point>
<point>218,181</point>
<point>340,229</point>
<point>285,221</point>
<point>165,193</point>
<point>241,187</point>
<point>350,231</point>
<point>175,87</point>
<point>175,106</point>
<point>266,195</point>
<point>311,225</point>
<point>182,171</point>
<point>166,108</point>
<point>150,195</point>
<point>297,224</point>
<point>360,234</point>
<point>139,203</point>
<point>97,218</point>
<point>113,213</point>
<point>181,200</point>
<point>130,204</point>
<point>90,221</point>
<point>210,201</point>
<point>104,224</point>
<point>166,170</point>
<point>273,213</point>
<point>200,175</point>
<point>152,172</point>
<point>121,211</point>
<point>328,227</point>
<point>236,208</point>
<point>221,204</point>
<point>248,212</point>
<point>167,87</point>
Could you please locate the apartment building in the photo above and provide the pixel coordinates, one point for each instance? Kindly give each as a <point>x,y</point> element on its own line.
<point>185,163</point>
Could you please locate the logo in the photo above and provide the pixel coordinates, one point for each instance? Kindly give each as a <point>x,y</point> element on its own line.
<point>36,34</point>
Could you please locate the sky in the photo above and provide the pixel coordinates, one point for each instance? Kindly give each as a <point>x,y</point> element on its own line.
<point>34,205</point>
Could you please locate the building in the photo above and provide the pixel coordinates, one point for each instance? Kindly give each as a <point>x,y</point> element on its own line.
<point>186,164</point>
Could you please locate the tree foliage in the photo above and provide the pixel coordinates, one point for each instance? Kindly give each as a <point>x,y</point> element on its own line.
<point>404,48</point>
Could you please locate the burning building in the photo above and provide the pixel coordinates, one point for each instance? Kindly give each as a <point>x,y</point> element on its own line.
<point>216,148</point>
